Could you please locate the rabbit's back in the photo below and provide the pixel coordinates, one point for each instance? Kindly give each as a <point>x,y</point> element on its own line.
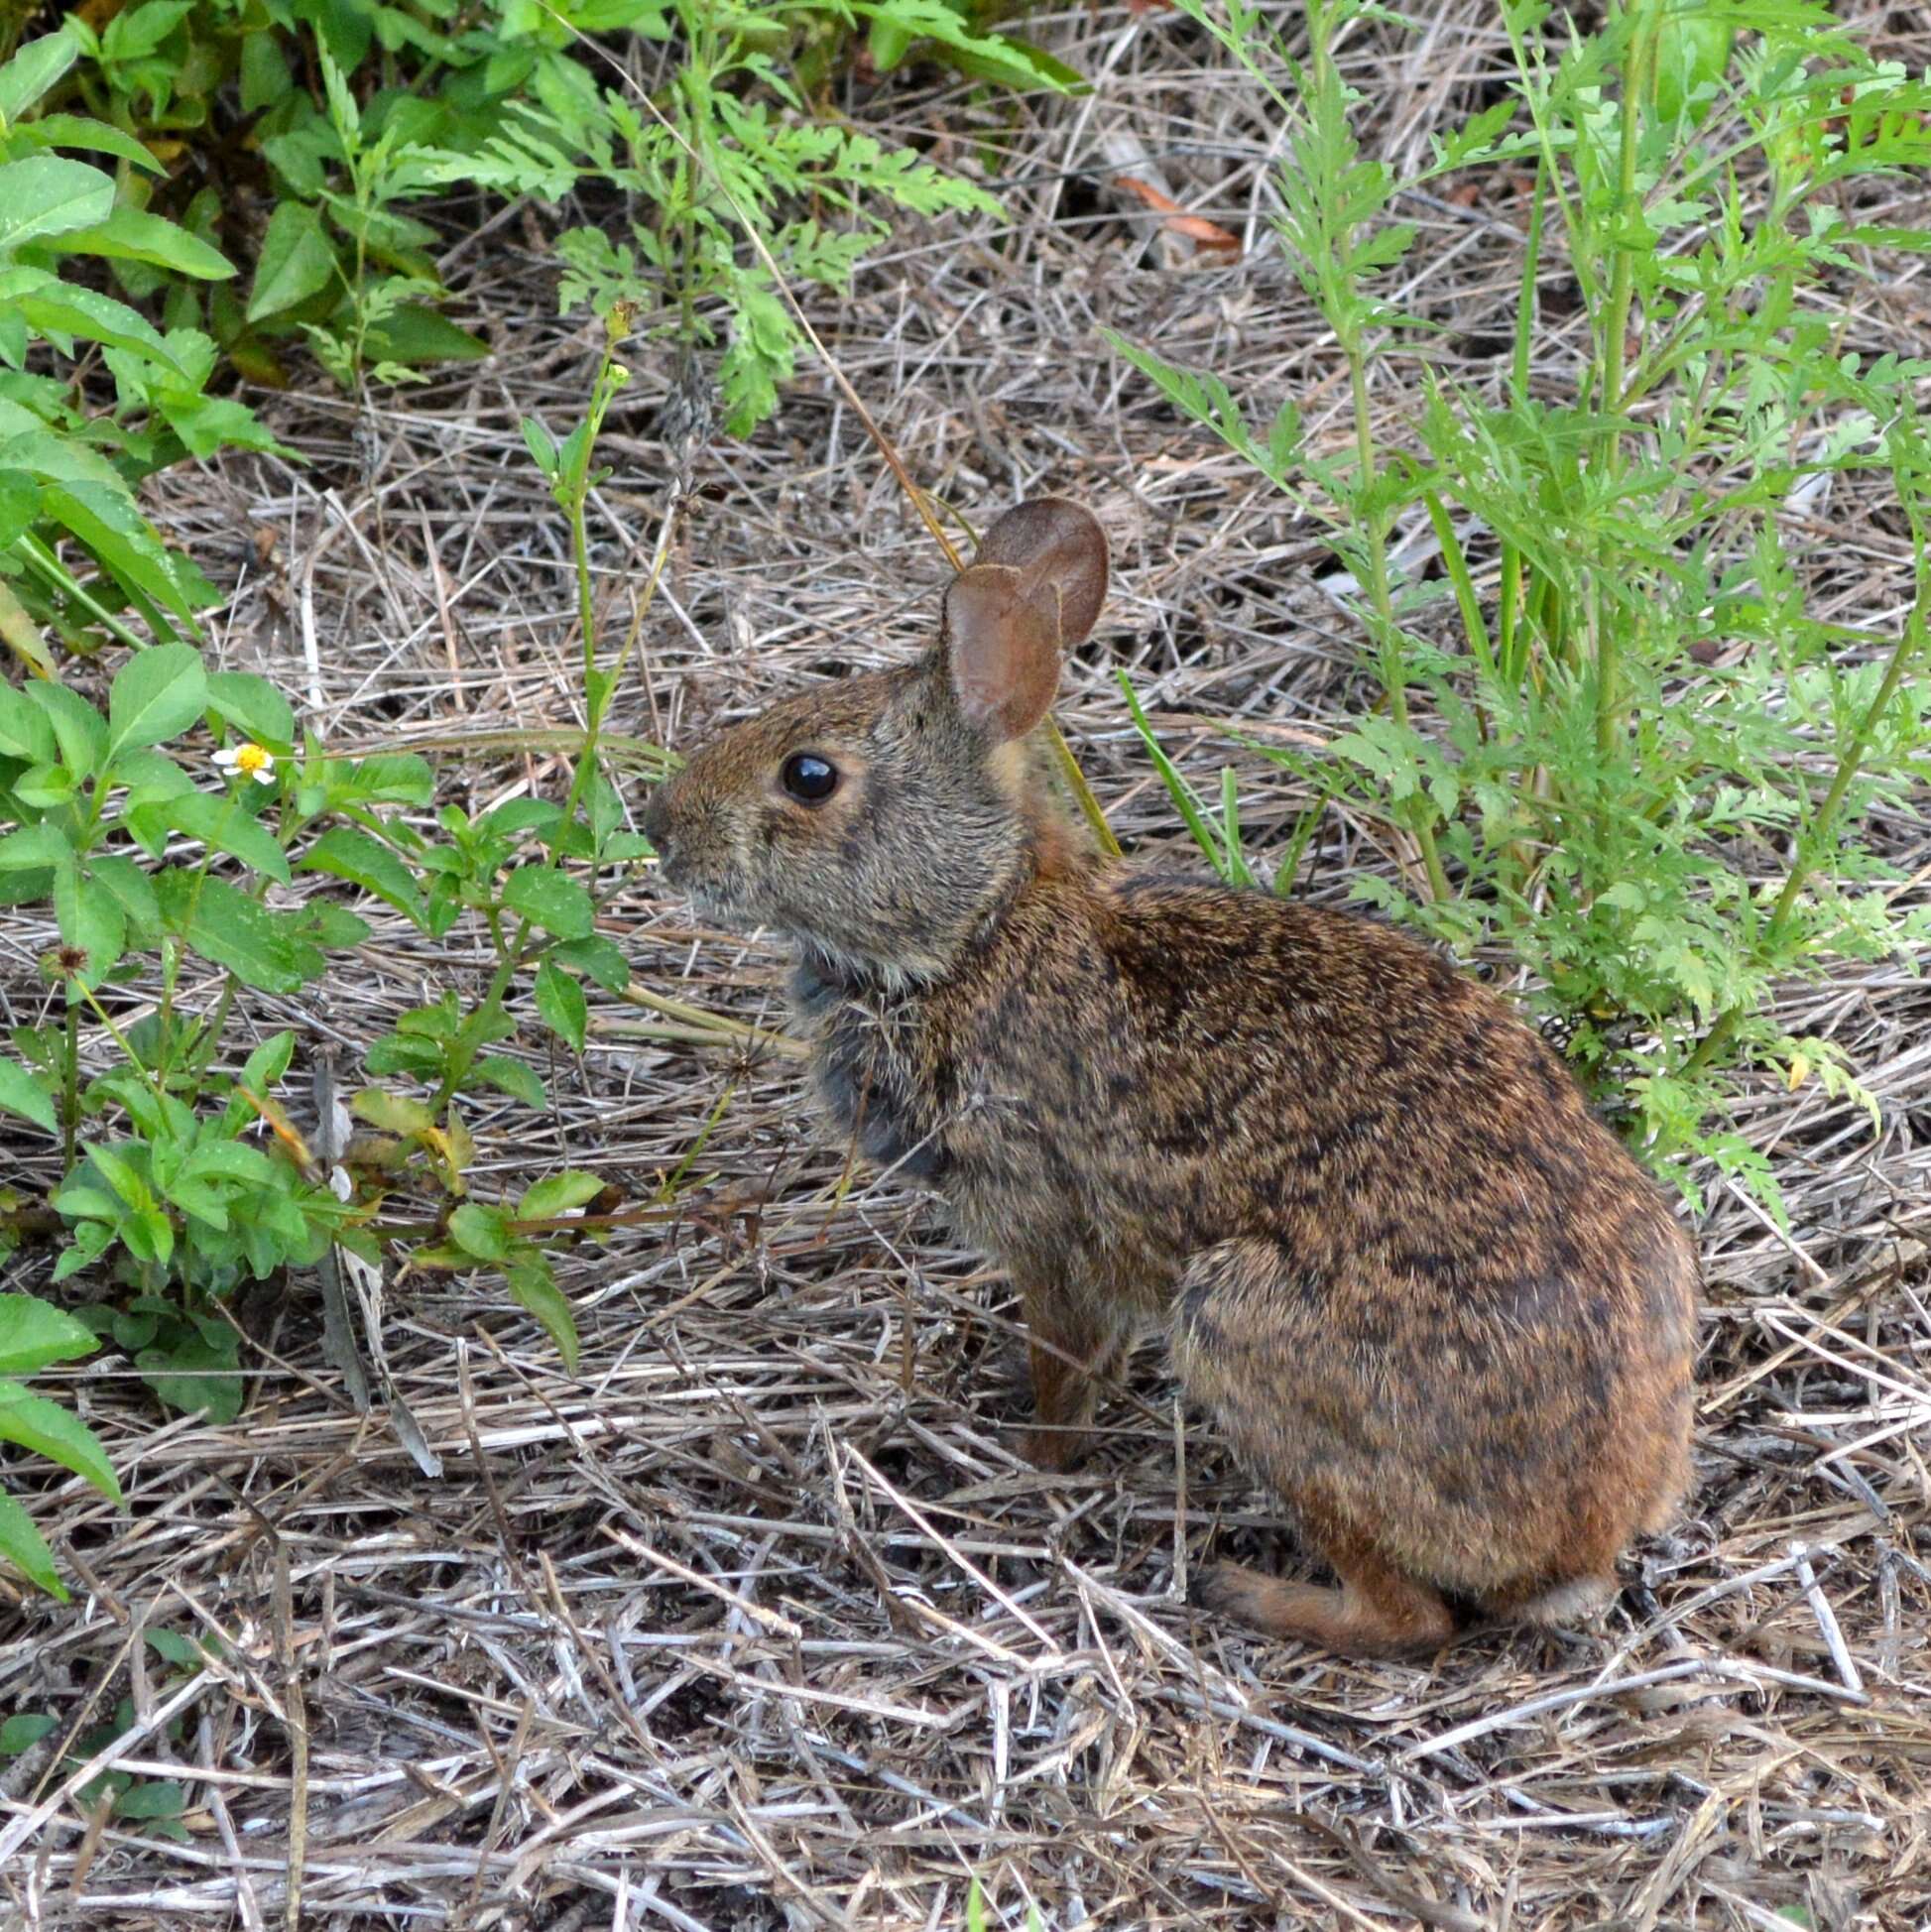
<point>1487,1308</point>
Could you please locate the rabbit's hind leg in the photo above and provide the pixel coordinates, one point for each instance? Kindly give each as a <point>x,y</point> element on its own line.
<point>1254,1342</point>
<point>1073,1341</point>
<point>1375,1613</point>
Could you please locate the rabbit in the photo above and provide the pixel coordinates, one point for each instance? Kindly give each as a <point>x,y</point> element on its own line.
<point>1429,1298</point>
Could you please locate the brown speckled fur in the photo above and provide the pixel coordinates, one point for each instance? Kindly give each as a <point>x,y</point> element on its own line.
<point>1432,1300</point>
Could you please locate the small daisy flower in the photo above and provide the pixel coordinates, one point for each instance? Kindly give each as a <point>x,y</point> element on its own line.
<point>247,759</point>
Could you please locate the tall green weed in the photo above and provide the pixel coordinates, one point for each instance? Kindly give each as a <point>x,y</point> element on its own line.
<point>1614,736</point>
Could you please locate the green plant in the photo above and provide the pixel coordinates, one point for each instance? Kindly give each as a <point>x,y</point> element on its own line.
<point>67,475</point>
<point>34,1334</point>
<point>153,1804</point>
<point>1581,785</point>
<point>339,115</point>
<point>163,1189</point>
<point>733,170</point>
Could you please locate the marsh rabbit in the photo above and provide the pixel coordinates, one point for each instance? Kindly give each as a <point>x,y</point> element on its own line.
<point>1429,1298</point>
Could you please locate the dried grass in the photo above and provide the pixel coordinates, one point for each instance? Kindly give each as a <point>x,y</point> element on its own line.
<point>758,1622</point>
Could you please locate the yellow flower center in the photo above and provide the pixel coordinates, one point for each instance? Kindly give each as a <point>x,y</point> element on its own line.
<point>251,759</point>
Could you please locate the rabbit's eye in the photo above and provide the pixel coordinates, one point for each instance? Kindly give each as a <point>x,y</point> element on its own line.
<point>809,779</point>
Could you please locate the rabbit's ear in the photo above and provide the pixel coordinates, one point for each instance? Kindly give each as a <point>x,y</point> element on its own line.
<point>1035,587</point>
<point>1059,552</point>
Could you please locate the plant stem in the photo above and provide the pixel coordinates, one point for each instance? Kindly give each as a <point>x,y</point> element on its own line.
<point>1809,848</point>
<point>71,1085</point>
<point>1609,712</point>
<point>1374,523</point>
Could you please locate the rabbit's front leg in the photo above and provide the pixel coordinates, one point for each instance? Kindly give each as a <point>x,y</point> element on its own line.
<point>1071,1342</point>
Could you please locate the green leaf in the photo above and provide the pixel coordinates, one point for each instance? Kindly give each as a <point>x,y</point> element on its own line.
<point>482,1231</point>
<point>132,235</point>
<point>597,958</point>
<point>151,1797</point>
<point>233,1161</point>
<point>223,822</point>
<point>34,1333</point>
<point>268,1064</point>
<point>47,196</point>
<point>561,1000</point>
<point>91,920</point>
<point>24,732</point>
<point>34,69</point>
<point>23,1731</point>
<point>21,1094</point>
<point>22,1545</point>
<point>79,729</point>
<point>551,900</point>
<point>196,1372</point>
<point>158,694</point>
<point>558,1193</point>
<point>415,334</point>
<point>183,1652</point>
<point>202,1203</point>
<point>540,444</point>
<point>253,707</point>
<point>508,1076</point>
<point>345,852</point>
<point>134,893</point>
<point>83,131</point>
<point>50,1430</point>
<point>534,1290</point>
<point>296,261</point>
<point>31,847</point>
<point>232,929</point>
<point>67,309</point>
<point>390,778</point>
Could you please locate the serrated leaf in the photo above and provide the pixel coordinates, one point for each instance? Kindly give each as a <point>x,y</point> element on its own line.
<point>232,1160</point>
<point>232,929</point>
<point>561,1000</point>
<point>79,730</point>
<point>558,1193</point>
<point>133,235</point>
<point>269,1062</point>
<point>69,308</point>
<point>32,847</point>
<point>36,66</point>
<point>511,1077</point>
<point>253,707</point>
<point>134,893</point>
<point>158,694</point>
<point>49,1430</point>
<point>46,194</point>
<point>597,958</point>
<point>90,921</point>
<point>346,852</point>
<point>22,1545</point>
<point>25,730</point>
<point>21,1094</point>
<point>481,1231</point>
<point>390,778</point>
<point>551,900</point>
<point>34,1333</point>
<point>223,822</point>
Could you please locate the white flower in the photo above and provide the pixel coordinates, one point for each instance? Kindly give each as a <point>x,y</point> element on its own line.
<point>256,760</point>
